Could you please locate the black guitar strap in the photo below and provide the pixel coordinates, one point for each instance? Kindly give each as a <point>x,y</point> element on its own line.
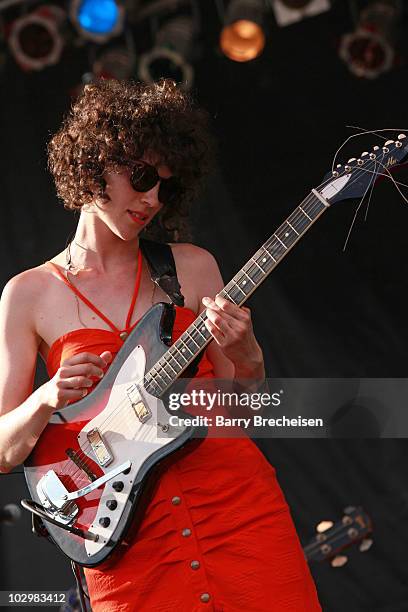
<point>162,268</point>
<point>163,271</point>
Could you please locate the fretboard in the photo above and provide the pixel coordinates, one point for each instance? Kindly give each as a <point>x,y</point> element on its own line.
<point>196,337</point>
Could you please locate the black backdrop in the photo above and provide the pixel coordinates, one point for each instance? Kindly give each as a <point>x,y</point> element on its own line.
<point>322,313</point>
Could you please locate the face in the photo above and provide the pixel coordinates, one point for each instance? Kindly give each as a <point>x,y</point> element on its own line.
<point>127,212</point>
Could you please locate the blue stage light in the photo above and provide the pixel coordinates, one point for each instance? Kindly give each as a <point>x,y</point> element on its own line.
<point>98,16</point>
<point>97,20</point>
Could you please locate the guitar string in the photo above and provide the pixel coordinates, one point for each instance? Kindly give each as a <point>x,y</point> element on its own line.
<point>369,186</point>
<point>364,133</point>
<point>270,242</point>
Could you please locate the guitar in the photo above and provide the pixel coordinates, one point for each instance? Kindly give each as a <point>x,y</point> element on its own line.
<point>333,538</point>
<point>88,474</point>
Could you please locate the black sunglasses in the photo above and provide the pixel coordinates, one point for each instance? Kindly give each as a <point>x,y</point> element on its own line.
<point>144,177</point>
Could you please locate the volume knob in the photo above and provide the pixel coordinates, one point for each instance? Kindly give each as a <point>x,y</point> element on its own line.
<point>118,485</point>
<point>104,521</point>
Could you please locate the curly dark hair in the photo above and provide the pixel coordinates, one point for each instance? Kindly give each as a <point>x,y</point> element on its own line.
<point>112,124</point>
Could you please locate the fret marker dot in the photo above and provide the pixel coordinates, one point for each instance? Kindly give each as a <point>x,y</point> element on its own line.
<point>203,328</point>
<point>183,350</point>
<point>244,282</point>
<point>263,259</point>
<point>287,234</point>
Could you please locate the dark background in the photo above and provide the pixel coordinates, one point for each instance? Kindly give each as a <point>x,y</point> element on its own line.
<point>322,313</point>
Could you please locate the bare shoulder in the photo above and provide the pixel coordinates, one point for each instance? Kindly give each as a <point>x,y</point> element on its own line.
<point>26,286</point>
<point>198,270</point>
<point>22,298</point>
<point>186,254</point>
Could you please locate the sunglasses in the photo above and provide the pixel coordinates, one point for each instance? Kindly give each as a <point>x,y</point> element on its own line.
<point>144,177</point>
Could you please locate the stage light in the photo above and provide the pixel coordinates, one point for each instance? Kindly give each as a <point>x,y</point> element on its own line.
<point>170,55</point>
<point>35,39</point>
<point>242,38</point>
<point>291,11</point>
<point>97,20</point>
<point>369,50</point>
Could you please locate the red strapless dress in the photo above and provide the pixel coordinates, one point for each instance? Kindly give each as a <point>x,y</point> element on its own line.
<point>217,534</point>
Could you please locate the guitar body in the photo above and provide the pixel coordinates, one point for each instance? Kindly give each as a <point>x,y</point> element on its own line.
<point>117,422</point>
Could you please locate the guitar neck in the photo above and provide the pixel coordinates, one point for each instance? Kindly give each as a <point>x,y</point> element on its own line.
<point>196,337</point>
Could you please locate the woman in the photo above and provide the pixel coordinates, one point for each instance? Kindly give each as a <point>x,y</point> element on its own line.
<point>217,533</point>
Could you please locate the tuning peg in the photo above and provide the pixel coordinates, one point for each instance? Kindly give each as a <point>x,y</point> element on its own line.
<point>339,561</point>
<point>351,160</point>
<point>335,173</point>
<point>338,166</point>
<point>385,150</point>
<point>324,526</point>
<point>365,544</point>
<point>360,162</point>
<point>375,148</point>
<point>401,136</point>
<point>373,156</point>
<point>349,509</point>
<point>364,154</point>
<point>348,169</point>
<point>388,143</point>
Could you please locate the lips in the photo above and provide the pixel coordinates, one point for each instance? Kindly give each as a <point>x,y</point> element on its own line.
<point>137,217</point>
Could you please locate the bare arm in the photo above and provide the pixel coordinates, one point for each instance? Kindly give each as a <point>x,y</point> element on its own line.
<point>24,414</point>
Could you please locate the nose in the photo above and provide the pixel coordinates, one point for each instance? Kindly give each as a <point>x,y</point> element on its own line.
<point>151,197</point>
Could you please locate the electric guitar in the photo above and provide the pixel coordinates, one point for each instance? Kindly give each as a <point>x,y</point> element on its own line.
<point>88,474</point>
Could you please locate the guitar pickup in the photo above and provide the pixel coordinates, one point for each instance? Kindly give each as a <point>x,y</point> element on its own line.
<point>143,413</point>
<point>100,448</point>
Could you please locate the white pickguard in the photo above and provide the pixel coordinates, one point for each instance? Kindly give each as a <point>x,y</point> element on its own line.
<point>127,438</point>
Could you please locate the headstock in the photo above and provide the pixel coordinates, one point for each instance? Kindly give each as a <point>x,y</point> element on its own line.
<point>353,179</point>
<point>332,538</point>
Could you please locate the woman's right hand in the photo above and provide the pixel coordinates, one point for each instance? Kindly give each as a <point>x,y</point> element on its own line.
<point>74,377</point>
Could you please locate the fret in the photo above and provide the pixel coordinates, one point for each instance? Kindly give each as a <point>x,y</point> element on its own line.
<point>185,347</point>
<point>291,227</point>
<point>241,290</point>
<point>169,364</point>
<point>305,213</point>
<point>314,207</point>
<point>268,253</point>
<point>191,338</point>
<point>154,369</point>
<point>257,264</point>
<point>286,232</point>
<point>163,369</point>
<point>255,272</point>
<point>154,384</point>
<point>200,331</point>
<point>247,275</point>
<point>177,351</point>
<point>282,243</point>
<point>225,292</point>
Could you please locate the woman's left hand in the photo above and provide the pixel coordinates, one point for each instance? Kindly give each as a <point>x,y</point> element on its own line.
<point>231,328</point>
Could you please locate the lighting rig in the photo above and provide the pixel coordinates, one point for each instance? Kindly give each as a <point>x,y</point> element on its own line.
<point>148,39</point>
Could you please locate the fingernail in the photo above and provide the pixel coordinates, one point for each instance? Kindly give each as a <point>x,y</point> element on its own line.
<point>205,300</point>
<point>84,392</point>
